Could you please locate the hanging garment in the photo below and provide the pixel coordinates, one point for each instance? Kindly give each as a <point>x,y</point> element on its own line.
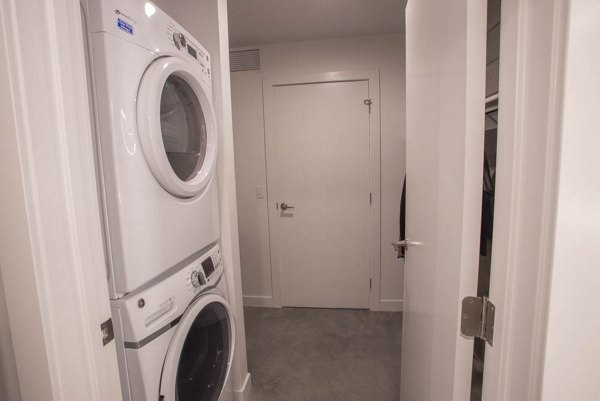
<point>402,250</point>
<point>487,207</point>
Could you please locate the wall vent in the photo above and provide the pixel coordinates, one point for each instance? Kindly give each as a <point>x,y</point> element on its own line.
<point>244,60</point>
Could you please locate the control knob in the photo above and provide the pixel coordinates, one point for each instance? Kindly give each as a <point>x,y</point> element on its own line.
<point>197,279</point>
<point>179,40</point>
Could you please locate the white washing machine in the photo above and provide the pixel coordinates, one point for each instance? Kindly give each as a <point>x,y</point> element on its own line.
<point>175,339</point>
<point>156,140</point>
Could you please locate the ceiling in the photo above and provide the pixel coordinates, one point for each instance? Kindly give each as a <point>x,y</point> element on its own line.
<point>259,22</point>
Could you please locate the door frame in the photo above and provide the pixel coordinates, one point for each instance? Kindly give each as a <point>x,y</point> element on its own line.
<point>372,77</point>
<point>51,252</point>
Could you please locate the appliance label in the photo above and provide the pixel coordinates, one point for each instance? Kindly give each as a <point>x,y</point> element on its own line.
<point>124,26</point>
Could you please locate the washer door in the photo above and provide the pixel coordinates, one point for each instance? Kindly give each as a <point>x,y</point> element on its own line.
<point>176,126</point>
<point>199,357</point>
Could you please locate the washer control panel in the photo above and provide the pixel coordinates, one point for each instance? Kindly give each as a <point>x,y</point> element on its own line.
<point>206,270</point>
<point>153,307</point>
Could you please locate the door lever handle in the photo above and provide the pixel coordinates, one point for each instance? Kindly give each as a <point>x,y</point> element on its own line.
<point>285,206</point>
<point>405,243</point>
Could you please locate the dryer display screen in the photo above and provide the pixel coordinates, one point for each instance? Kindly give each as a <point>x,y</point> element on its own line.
<point>192,52</point>
<point>208,267</point>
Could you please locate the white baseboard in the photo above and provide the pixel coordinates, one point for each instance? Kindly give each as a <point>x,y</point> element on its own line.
<point>243,394</point>
<point>391,305</point>
<point>258,300</point>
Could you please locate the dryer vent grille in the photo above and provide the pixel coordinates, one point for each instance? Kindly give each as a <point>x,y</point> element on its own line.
<point>244,60</point>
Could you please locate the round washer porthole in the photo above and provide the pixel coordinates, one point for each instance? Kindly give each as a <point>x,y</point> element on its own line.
<point>199,357</point>
<point>176,127</point>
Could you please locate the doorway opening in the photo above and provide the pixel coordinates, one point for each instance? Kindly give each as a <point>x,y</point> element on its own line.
<point>319,134</point>
<point>318,116</point>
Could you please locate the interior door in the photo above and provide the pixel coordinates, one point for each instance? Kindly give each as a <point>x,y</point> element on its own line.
<point>321,188</point>
<point>445,67</point>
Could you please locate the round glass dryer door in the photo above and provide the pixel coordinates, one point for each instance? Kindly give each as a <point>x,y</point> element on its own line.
<point>200,354</point>
<point>183,128</point>
<point>176,126</point>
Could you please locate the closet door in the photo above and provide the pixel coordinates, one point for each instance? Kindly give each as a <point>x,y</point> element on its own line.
<point>445,67</point>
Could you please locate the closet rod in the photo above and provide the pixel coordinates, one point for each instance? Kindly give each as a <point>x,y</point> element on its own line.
<point>491,98</point>
<point>490,109</point>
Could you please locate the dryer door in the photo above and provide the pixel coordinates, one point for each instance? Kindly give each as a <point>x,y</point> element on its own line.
<point>199,357</point>
<point>176,126</point>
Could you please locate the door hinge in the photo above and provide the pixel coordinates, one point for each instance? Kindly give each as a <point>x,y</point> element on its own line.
<point>370,198</point>
<point>368,102</point>
<point>108,333</point>
<point>477,318</point>
<point>370,283</point>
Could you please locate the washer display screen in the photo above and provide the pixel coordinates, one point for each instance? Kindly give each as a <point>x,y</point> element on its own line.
<point>192,52</point>
<point>208,267</point>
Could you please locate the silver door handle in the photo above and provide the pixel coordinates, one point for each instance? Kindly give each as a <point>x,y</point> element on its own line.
<point>285,206</point>
<point>405,243</point>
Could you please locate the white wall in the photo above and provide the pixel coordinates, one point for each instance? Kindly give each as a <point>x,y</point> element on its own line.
<point>572,359</point>
<point>248,133</point>
<point>207,22</point>
<point>384,53</point>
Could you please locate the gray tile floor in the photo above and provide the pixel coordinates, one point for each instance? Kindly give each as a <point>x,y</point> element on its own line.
<point>298,354</point>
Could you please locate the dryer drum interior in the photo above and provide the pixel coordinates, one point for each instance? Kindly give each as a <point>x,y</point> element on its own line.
<point>183,127</point>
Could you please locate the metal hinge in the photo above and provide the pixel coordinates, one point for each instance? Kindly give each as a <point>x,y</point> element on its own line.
<point>368,102</point>
<point>370,198</point>
<point>108,333</point>
<point>477,318</point>
<point>370,283</point>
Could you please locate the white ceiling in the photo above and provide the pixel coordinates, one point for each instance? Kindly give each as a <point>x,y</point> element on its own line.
<point>258,22</point>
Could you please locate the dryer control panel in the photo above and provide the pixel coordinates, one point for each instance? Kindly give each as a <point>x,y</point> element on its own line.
<point>146,25</point>
<point>190,50</point>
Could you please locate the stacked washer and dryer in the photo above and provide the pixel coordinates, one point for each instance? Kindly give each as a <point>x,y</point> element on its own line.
<point>156,149</point>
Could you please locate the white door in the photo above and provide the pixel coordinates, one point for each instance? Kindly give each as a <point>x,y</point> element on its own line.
<point>445,67</point>
<point>319,192</point>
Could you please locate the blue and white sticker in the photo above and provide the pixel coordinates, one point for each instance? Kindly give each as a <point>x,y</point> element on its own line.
<point>124,26</point>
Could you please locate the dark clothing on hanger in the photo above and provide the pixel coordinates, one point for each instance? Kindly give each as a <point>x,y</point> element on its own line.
<point>402,250</point>
<point>487,207</point>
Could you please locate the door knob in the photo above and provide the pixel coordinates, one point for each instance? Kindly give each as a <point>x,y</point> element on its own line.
<point>285,206</point>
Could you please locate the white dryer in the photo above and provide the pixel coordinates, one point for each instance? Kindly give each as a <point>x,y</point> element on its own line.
<point>156,140</point>
<point>175,339</point>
